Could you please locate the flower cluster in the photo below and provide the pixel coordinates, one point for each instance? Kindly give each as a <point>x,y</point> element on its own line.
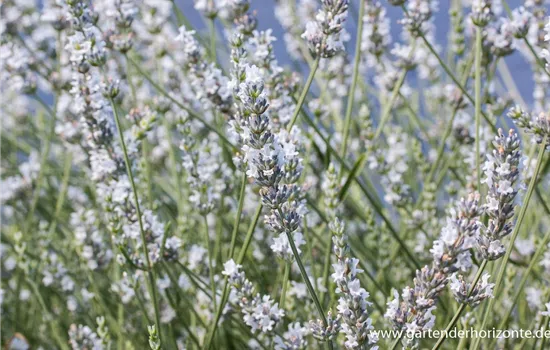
<point>376,32</point>
<point>464,293</point>
<point>501,176</point>
<point>326,34</point>
<point>260,312</point>
<point>418,15</point>
<point>482,12</point>
<point>353,303</point>
<point>536,124</point>
<point>271,159</point>
<point>211,86</point>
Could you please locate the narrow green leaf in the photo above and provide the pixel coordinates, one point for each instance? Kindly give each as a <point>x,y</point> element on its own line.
<point>355,170</point>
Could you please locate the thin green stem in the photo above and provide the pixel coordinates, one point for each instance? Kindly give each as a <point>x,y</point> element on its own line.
<point>478,103</point>
<point>326,265</point>
<point>521,216</point>
<point>62,193</point>
<point>212,25</point>
<point>237,221</point>
<point>150,271</point>
<point>534,261</point>
<point>210,265</point>
<point>351,93</point>
<point>43,160</point>
<point>387,109</point>
<point>286,276</point>
<point>536,56</point>
<point>304,92</point>
<point>305,277</point>
<point>545,322</point>
<point>249,235</point>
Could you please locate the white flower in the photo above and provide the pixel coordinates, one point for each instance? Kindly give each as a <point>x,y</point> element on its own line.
<point>230,268</point>
<point>455,284</point>
<point>298,290</point>
<point>196,256</point>
<point>485,286</point>
<point>313,32</point>
<point>496,248</point>
<point>534,297</point>
<point>294,338</point>
<point>340,271</point>
<point>79,46</point>
<point>163,283</point>
<point>525,247</point>
<point>505,187</point>
<point>282,248</point>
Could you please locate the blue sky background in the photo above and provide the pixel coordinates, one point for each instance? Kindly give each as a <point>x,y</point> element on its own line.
<point>519,68</point>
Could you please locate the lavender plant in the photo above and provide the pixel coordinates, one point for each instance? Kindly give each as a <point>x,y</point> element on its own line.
<point>192,175</point>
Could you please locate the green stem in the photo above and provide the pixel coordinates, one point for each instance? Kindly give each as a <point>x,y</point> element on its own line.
<point>212,25</point>
<point>478,104</point>
<point>461,307</point>
<point>150,271</point>
<point>286,277</point>
<point>210,266</point>
<point>305,277</point>
<point>514,235</point>
<point>62,193</point>
<point>54,324</point>
<point>326,265</point>
<point>238,217</point>
<point>545,322</point>
<point>534,261</point>
<point>351,93</point>
<point>304,92</point>
<point>387,109</point>
<point>536,56</point>
<point>43,160</point>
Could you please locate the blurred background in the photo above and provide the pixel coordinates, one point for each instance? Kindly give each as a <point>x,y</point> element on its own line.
<point>265,9</point>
